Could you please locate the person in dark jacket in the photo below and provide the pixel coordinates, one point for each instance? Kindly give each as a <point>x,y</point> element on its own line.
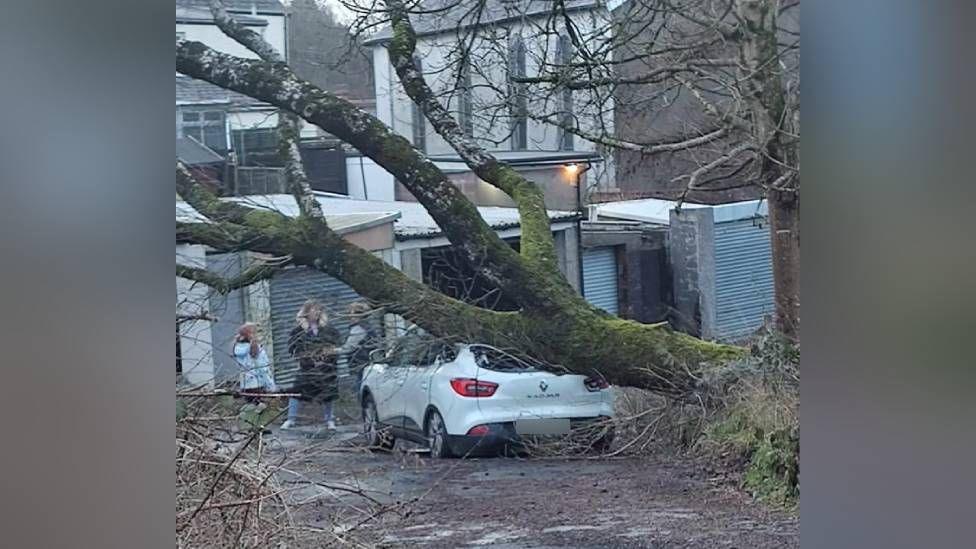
<point>362,339</point>
<point>313,342</point>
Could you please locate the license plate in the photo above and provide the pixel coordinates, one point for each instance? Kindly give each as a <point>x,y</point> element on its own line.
<point>542,426</point>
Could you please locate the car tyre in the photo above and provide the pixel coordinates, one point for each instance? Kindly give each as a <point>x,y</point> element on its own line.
<point>436,433</point>
<point>375,436</point>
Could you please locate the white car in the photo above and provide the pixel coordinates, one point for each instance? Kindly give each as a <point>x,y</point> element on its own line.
<point>462,399</point>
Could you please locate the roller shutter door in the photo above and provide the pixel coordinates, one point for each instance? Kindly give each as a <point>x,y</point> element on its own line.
<point>600,278</point>
<point>743,277</point>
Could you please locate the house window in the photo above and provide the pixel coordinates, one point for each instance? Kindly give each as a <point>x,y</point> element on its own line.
<point>518,103</point>
<point>419,123</point>
<point>564,56</point>
<point>465,108</point>
<point>207,127</point>
<point>256,146</point>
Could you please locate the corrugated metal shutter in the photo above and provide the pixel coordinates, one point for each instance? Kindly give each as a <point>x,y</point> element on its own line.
<point>600,278</point>
<point>289,290</point>
<point>743,277</point>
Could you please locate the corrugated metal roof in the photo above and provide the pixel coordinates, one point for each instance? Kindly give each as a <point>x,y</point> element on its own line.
<point>186,214</point>
<point>191,152</point>
<point>449,15</point>
<point>340,222</point>
<point>658,211</point>
<point>414,221</point>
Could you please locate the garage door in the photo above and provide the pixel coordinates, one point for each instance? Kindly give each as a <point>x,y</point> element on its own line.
<point>743,277</point>
<point>600,278</point>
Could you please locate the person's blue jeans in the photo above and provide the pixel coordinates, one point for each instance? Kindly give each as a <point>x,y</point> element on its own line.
<point>294,403</point>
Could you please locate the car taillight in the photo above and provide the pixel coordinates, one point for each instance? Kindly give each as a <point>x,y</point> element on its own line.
<point>478,431</point>
<point>468,387</point>
<point>595,384</point>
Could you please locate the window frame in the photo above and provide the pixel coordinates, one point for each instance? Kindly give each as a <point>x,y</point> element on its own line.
<point>564,56</point>
<point>465,101</point>
<point>418,123</point>
<point>239,136</point>
<point>518,102</point>
<point>197,129</point>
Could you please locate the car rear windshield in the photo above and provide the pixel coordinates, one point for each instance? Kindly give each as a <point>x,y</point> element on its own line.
<point>497,360</point>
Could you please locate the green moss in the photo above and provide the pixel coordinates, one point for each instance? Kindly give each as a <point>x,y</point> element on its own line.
<point>265,220</point>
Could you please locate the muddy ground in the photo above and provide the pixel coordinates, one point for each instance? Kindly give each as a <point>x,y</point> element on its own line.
<point>509,502</point>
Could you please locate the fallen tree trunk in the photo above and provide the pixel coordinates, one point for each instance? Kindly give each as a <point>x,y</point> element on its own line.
<point>555,324</point>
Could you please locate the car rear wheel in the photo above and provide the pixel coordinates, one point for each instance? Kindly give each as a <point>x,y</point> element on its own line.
<point>374,434</point>
<point>437,436</point>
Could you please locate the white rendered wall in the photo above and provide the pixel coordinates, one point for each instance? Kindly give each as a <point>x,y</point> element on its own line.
<point>196,341</point>
<point>209,34</point>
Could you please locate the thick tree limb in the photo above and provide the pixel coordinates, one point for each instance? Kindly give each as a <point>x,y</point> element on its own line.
<point>454,213</point>
<point>205,202</point>
<point>243,35</point>
<point>313,244</point>
<point>536,242</point>
<point>289,127</point>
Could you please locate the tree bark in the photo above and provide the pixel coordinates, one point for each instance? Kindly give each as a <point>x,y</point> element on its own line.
<point>766,98</point>
<point>784,238</point>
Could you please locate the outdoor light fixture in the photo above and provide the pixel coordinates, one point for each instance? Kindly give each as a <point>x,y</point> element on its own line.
<point>571,169</point>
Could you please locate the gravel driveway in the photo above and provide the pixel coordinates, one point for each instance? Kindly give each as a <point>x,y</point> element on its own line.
<point>508,502</point>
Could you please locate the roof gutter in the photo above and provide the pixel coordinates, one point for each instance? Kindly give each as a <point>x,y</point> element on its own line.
<point>388,218</point>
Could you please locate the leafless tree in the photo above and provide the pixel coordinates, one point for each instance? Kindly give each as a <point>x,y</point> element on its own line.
<point>692,99</point>
<point>553,323</point>
<point>324,52</point>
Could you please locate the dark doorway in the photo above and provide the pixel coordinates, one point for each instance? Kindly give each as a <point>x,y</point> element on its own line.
<point>446,271</point>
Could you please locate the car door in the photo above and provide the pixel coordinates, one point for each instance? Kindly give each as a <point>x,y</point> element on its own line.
<point>416,389</point>
<point>386,385</point>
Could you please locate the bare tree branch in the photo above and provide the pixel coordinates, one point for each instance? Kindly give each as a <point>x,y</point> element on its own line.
<point>289,126</point>
<point>221,285</point>
<point>656,75</point>
<point>452,211</point>
<point>537,241</point>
